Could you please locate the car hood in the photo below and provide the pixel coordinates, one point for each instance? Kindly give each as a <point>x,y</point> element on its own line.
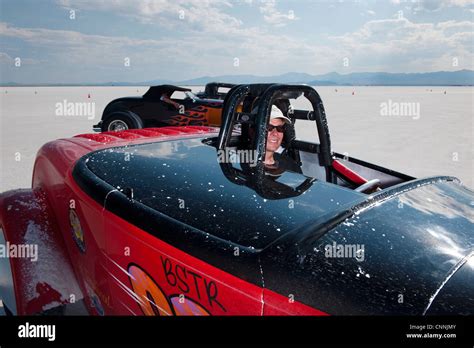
<point>455,294</point>
<point>415,242</point>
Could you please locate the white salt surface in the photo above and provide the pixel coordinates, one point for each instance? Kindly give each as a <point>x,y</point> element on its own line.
<point>439,142</point>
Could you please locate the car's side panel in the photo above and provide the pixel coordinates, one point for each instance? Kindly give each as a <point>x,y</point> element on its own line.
<point>148,276</point>
<point>152,110</point>
<point>279,304</point>
<point>198,115</point>
<point>214,116</point>
<point>83,232</point>
<point>80,221</point>
<point>79,218</point>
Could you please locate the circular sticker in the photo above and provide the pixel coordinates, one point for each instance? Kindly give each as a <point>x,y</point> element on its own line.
<point>76,229</point>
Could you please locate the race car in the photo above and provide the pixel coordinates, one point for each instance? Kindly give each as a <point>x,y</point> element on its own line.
<point>171,221</point>
<point>162,106</point>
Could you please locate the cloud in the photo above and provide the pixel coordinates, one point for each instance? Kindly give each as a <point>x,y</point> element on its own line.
<point>71,55</point>
<point>274,17</point>
<point>209,36</point>
<point>422,46</point>
<point>7,60</point>
<point>79,57</point>
<point>207,41</point>
<point>77,42</point>
<point>203,15</point>
<point>436,5</point>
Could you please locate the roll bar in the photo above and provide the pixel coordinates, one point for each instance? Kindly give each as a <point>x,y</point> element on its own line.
<point>267,95</point>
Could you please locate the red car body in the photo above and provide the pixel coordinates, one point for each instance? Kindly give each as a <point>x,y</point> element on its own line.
<point>125,270</point>
<point>105,214</point>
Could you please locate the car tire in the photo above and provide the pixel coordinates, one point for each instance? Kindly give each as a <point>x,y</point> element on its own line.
<point>121,120</point>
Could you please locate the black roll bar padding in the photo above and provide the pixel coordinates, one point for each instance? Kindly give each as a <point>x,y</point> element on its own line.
<point>268,94</point>
<point>231,101</point>
<point>302,115</point>
<point>263,116</point>
<point>305,146</point>
<point>229,113</point>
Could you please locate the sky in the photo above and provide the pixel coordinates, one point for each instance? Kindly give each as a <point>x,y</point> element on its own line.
<point>98,41</point>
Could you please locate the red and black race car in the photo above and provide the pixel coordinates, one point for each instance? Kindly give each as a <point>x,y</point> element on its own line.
<point>165,105</point>
<point>157,222</point>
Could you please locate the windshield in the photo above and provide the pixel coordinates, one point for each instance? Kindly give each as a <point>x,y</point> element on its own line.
<point>191,95</point>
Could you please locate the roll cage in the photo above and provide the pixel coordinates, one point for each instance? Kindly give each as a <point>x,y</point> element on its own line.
<point>249,106</point>
<point>255,101</point>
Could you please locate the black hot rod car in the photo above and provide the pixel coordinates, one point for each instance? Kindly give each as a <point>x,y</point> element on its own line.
<point>161,106</point>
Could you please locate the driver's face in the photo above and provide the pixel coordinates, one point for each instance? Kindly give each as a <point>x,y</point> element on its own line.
<point>274,138</point>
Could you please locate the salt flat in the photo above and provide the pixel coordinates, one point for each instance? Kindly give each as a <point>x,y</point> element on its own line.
<point>437,141</point>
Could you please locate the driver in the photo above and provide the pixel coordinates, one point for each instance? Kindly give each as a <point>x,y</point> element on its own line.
<point>275,162</point>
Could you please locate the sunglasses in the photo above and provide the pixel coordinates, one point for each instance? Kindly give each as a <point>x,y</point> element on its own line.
<point>280,129</point>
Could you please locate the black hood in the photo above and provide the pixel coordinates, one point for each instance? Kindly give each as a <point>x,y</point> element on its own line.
<point>410,243</point>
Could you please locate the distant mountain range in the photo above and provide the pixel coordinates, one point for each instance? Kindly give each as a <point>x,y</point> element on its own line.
<point>439,78</point>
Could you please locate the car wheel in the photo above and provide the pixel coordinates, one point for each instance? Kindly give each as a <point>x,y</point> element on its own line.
<point>120,121</point>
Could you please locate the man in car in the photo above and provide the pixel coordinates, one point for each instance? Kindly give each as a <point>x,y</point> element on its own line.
<point>275,162</point>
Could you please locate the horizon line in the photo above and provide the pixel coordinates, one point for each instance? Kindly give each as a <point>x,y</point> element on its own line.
<point>217,77</point>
